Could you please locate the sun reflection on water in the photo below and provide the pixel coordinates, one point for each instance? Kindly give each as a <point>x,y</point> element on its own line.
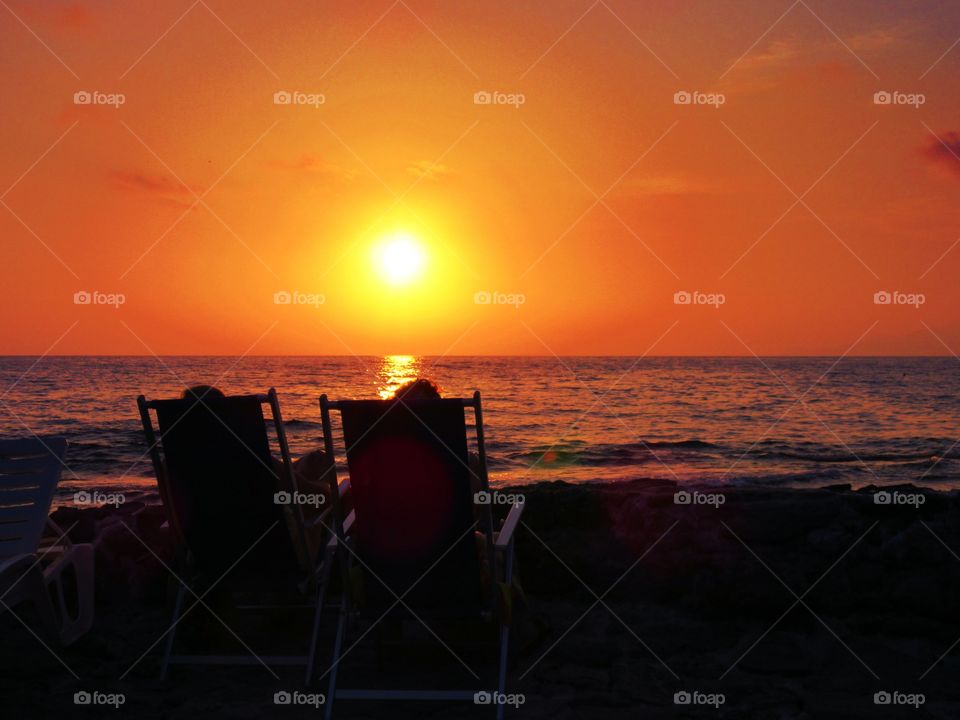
<point>396,370</point>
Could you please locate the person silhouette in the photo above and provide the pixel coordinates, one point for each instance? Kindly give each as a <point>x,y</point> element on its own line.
<point>419,389</point>
<point>309,470</point>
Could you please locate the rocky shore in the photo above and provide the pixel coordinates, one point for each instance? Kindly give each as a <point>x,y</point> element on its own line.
<point>750,603</point>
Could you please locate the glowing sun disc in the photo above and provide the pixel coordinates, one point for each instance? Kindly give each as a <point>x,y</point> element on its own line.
<point>400,258</point>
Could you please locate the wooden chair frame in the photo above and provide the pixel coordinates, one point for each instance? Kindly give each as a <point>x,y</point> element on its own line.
<point>498,543</point>
<point>316,579</point>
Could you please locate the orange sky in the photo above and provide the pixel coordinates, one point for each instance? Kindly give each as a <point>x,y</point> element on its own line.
<point>198,198</point>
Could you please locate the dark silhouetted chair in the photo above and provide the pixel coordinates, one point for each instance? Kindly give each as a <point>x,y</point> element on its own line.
<point>233,512</point>
<point>413,540</point>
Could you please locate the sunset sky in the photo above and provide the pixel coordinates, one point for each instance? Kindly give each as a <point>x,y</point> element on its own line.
<point>593,202</point>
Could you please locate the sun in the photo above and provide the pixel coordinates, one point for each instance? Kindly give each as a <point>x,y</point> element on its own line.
<point>400,258</point>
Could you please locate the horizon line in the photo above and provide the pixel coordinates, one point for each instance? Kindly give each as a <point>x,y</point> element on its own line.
<point>477,355</point>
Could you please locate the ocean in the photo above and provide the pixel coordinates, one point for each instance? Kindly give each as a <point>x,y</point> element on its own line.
<point>774,422</point>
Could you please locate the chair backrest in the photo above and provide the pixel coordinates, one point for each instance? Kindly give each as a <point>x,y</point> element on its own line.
<point>217,479</point>
<point>29,473</point>
<point>411,492</point>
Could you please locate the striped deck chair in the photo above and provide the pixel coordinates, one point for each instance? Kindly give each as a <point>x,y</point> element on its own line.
<point>52,572</point>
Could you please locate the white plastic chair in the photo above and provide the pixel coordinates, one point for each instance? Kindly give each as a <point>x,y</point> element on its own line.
<point>58,577</point>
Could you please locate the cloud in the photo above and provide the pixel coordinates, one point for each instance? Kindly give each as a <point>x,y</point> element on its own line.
<point>762,69</point>
<point>873,40</point>
<point>165,188</point>
<point>790,63</point>
<point>775,54</point>
<point>778,53</point>
<point>944,151</point>
<point>428,170</point>
<point>314,165</point>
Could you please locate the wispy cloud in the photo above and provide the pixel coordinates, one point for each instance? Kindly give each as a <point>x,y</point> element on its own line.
<point>874,39</point>
<point>763,68</point>
<point>775,54</point>
<point>310,164</point>
<point>428,170</point>
<point>163,187</point>
<point>780,60</point>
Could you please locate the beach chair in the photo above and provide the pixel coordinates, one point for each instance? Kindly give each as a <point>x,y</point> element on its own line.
<point>228,504</point>
<point>412,547</point>
<point>52,572</point>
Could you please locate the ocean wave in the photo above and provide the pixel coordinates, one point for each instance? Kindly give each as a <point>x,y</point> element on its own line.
<point>685,444</point>
<point>901,450</point>
<point>603,454</point>
<point>297,423</point>
<point>675,418</point>
<point>824,476</point>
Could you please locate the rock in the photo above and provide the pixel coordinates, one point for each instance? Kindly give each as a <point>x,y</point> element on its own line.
<point>577,676</point>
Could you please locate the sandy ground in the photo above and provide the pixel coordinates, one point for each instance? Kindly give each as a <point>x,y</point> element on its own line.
<point>762,604</point>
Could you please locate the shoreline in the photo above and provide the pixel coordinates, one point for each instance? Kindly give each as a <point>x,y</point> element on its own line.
<point>689,596</point>
<point>145,491</point>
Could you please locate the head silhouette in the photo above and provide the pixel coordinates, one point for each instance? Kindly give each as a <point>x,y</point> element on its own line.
<point>202,392</point>
<point>419,389</point>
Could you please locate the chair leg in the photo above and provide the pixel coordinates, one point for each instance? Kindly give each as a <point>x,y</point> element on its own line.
<point>337,647</point>
<point>505,635</point>
<point>79,558</point>
<point>380,648</point>
<point>502,673</point>
<point>314,637</point>
<point>34,587</point>
<point>168,646</point>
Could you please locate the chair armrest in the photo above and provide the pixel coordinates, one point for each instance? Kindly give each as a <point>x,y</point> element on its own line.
<point>324,519</point>
<point>58,531</point>
<point>505,536</point>
<point>348,522</point>
<point>321,564</point>
<point>51,551</point>
<point>17,562</point>
<point>79,559</point>
<point>82,552</point>
<point>320,519</point>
